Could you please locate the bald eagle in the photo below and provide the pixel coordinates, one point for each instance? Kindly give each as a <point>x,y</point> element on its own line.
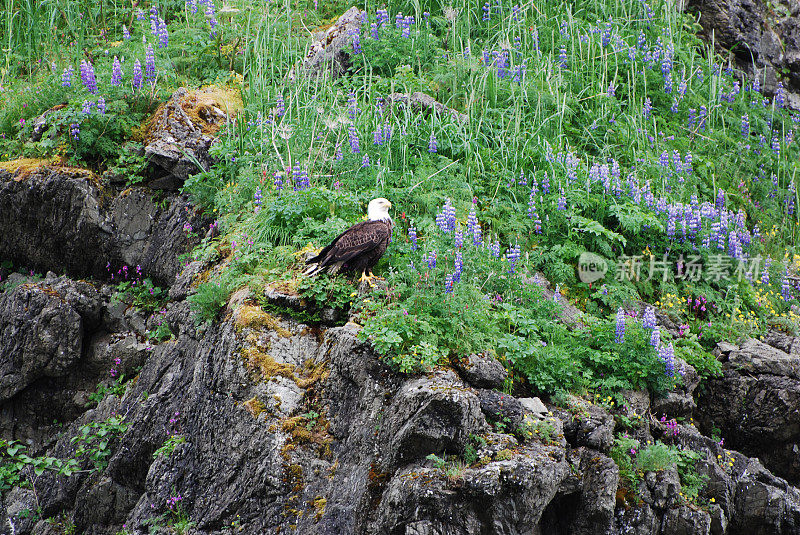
<point>358,248</point>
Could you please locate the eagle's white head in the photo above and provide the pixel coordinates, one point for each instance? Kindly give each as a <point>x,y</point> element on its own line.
<point>378,210</point>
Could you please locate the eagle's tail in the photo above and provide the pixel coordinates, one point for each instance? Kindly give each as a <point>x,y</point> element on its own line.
<point>317,268</point>
<point>312,270</point>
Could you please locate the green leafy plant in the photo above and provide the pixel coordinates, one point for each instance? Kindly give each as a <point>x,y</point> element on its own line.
<point>116,388</point>
<point>166,449</point>
<point>208,301</point>
<point>94,440</point>
<point>141,294</point>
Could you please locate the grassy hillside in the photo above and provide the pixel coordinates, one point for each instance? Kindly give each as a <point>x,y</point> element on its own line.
<point>600,127</point>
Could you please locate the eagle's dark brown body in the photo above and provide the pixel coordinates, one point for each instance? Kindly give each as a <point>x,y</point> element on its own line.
<point>356,249</point>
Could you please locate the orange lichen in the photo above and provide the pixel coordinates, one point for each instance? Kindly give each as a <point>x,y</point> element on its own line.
<point>269,368</point>
<point>312,374</point>
<point>252,316</point>
<point>255,406</point>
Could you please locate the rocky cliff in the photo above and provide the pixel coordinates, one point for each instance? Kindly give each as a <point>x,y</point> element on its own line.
<point>260,424</point>
<point>762,39</point>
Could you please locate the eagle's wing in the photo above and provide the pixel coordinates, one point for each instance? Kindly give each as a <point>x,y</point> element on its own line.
<point>356,240</point>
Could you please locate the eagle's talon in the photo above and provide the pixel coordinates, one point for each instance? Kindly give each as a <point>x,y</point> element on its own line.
<point>368,279</point>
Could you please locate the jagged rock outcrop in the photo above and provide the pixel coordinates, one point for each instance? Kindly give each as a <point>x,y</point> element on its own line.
<point>424,102</point>
<point>763,39</point>
<point>60,220</point>
<point>276,426</point>
<point>329,52</point>
<point>292,428</point>
<point>182,130</point>
<point>754,405</point>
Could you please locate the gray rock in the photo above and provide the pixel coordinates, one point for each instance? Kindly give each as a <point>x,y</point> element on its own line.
<point>685,521</point>
<point>61,220</point>
<point>423,102</point>
<point>762,39</point>
<point>181,134</point>
<point>432,415</point>
<point>754,404</point>
<point>591,426</point>
<point>41,335</point>
<point>329,52</point>
<point>500,408</point>
<point>534,406</point>
<point>482,371</point>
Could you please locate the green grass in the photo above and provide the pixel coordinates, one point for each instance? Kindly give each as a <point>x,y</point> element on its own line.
<point>532,119</point>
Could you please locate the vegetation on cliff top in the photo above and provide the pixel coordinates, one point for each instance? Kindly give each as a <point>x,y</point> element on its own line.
<point>605,127</point>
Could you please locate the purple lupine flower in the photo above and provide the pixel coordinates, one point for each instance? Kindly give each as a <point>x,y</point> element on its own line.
<point>562,200</point>
<point>701,118</point>
<point>734,247</point>
<point>211,12</point>
<point>87,107</point>
<point>448,283</point>
<point>257,200</point>
<point>745,125</point>
<point>137,74</point>
<point>412,235</point>
<point>162,33</point>
<point>352,106</point>
<point>407,22</point>
<point>667,355</point>
<point>649,318</point>
<point>655,337</point>
<point>432,145</point>
<point>377,136</point>
<point>546,183</point>
<point>75,131</point>
<point>337,152</point>
<point>382,16</point>
<point>126,34</point>
<point>280,105</point>
<point>790,198</point>
<point>459,237</point>
<point>116,72</point>
<point>431,260</point>
<point>612,90</point>
<point>647,108</point>
<point>562,58</point>
<point>278,182</point>
<point>519,73</point>
<point>88,78</point>
<point>780,96</point>
<point>66,76</point>
<point>446,219</point>
<point>619,331</point>
<point>459,266</point>
<point>487,12</point>
<point>365,161</point>
<point>374,31</point>
<point>719,202</point>
<point>101,105</point>
<point>605,38</point>
<point>494,248</point>
<point>150,64</point>
<point>512,255</point>
<point>354,145</point>
<point>355,38</point>
<point>140,14</point>
<point>191,5</point>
